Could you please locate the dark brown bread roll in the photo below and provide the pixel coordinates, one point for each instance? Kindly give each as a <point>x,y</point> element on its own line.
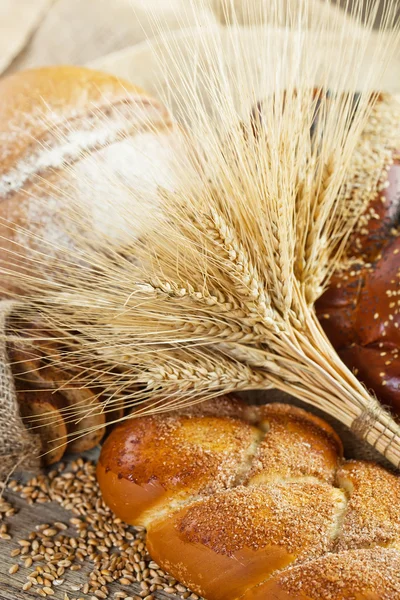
<point>266,510</point>
<point>361,315</point>
<point>360,312</point>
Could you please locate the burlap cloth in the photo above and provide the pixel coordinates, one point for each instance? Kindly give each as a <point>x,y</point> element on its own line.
<point>116,36</point>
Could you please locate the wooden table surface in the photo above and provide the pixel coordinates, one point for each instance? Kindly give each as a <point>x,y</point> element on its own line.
<point>19,526</point>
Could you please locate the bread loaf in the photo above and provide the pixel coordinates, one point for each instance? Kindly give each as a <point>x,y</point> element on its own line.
<point>257,505</point>
<point>44,407</point>
<point>71,139</point>
<point>361,315</point>
<point>78,139</point>
<point>360,312</point>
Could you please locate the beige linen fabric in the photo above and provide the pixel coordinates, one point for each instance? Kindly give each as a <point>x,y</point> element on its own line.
<point>17,445</point>
<point>18,20</point>
<point>78,31</point>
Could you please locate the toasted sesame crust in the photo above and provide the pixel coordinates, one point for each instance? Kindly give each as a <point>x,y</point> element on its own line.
<point>159,459</point>
<point>221,406</point>
<point>258,509</point>
<point>245,534</point>
<point>276,515</point>
<point>183,456</point>
<point>353,575</point>
<point>373,514</point>
<point>296,444</point>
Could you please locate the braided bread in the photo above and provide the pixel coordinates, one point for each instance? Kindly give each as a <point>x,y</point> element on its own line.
<point>256,503</point>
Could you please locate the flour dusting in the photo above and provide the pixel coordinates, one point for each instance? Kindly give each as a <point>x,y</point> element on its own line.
<point>117,186</point>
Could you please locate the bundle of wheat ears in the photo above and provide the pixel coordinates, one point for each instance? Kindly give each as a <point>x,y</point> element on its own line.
<point>280,151</point>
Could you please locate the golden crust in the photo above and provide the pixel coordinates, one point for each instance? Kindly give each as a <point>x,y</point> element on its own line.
<point>171,457</point>
<point>30,98</point>
<point>276,514</point>
<point>49,118</point>
<point>295,514</point>
<point>245,534</point>
<point>296,444</point>
<point>45,406</point>
<point>354,575</point>
<point>373,514</point>
<point>221,406</point>
<point>295,413</point>
<point>86,430</point>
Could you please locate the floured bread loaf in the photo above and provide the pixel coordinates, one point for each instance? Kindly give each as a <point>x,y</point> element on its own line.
<point>83,140</point>
<point>73,143</point>
<point>256,503</point>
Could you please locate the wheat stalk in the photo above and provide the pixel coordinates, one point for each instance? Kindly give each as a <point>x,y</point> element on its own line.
<point>219,293</point>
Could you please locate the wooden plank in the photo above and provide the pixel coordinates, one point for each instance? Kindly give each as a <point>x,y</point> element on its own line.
<point>19,527</point>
